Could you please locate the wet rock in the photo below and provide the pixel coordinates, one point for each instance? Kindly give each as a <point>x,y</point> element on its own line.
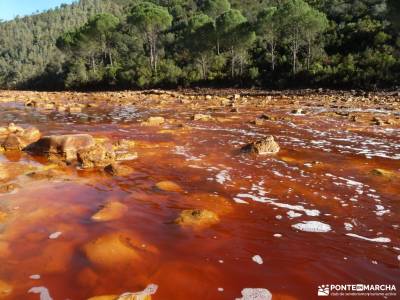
<point>202,117</point>
<point>12,142</point>
<point>377,121</point>
<point>112,210</point>
<point>118,170</point>
<point>5,289</point>
<point>3,216</point>
<point>124,144</point>
<point>64,146</point>
<point>118,249</point>
<point>209,201</point>
<point>8,188</point>
<point>74,109</point>
<point>197,218</point>
<point>263,146</point>
<point>298,111</point>
<point>151,289</point>
<point>17,138</point>
<point>261,119</point>
<point>99,155</point>
<point>169,186</point>
<point>48,174</point>
<point>125,156</point>
<point>154,121</point>
<point>383,173</point>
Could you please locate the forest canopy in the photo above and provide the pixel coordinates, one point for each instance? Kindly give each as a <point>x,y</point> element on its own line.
<point>171,43</point>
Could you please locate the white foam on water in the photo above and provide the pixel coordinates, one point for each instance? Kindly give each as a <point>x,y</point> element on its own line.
<point>255,294</point>
<point>348,226</point>
<point>35,277</point>
<point>291,214</point>
<point>257,259</point>
<point>44,292</point>
<point>240,201</point>
<point>277,235</point>
<point>223,176</point>
<point>220,289</point>
<point>308,212</point>
<point>55,235</point>
<point>180,150</point>
<point>376,240</point>
<point>312,226</point>
<point>151,289</point>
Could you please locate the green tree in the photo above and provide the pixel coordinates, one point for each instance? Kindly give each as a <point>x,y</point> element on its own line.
<point>301,24</point>
<point>269,29</point>
<point>394,12</point>
<point>150,20</point>
<point>215,8</point>
<point>235,35</point>
<point>200,41</point>
<point>315,23</point>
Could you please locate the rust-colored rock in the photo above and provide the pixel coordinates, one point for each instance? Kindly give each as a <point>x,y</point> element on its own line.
<point>112,210</point>
<point>118,249</point>
<point>65,146</point>
<point>263,146</point>
<point>169,186</point>
<point>99,155</point>
<point>5,289</point>
<point>197,218</point>
<point>118,170</point>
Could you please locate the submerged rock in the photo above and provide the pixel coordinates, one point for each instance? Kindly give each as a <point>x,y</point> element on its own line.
<point>264,146</point>
<point>5,289</point>
<point>202,117</point>
<point>154,121</point>
<point>197,218</point>
<point>383,173</point>
<point>3,216</point>
<point>169,186</point>
<point>8,188</point>
<point>118,170</point>
<point>117,249</point>
<point>125,156</point>
<point>112,210</point>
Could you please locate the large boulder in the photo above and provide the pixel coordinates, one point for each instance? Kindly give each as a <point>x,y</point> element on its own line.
<point>263,146</point>
<point>64,146</point>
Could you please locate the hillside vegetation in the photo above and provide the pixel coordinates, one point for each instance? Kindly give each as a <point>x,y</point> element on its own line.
<point>170,43</point>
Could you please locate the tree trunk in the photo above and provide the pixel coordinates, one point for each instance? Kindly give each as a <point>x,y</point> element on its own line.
<point>233,63</point>
<point>110,58</point>
<point>93,63</point>
<point>309,55</point>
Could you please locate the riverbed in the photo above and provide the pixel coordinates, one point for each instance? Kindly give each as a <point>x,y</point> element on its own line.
<point>323,210</point>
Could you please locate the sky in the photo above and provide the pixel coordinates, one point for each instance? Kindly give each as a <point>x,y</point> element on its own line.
<point>11,8</point>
